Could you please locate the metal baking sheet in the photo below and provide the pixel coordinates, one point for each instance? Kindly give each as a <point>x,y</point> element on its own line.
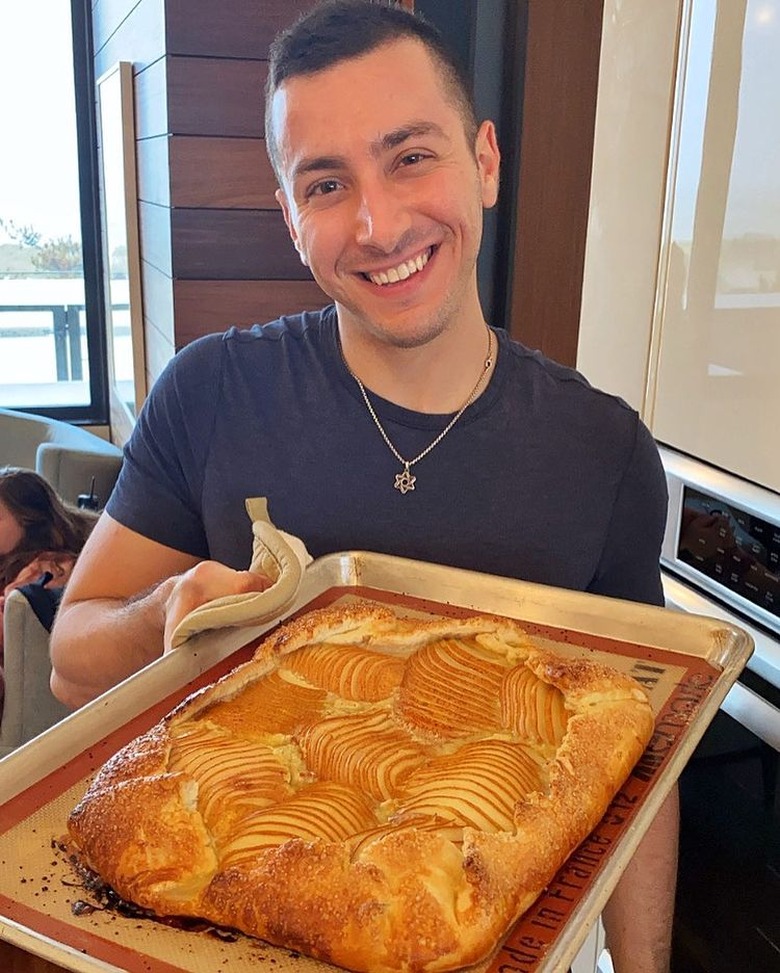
<point>687,664</point>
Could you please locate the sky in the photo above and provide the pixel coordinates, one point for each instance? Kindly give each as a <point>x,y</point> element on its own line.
<point>38,163</point>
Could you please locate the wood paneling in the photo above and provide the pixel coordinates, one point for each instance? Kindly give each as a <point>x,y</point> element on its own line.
<point>159,350</point>
<point>107,16</point>
<point>203,306</point>
<point>209,96</point>
<point>155,232</point>
<point>214,246</point>
<point>555,165</point>
<point>139,36</point>
<point>233,245</point>
<point>158,298</point>
<point>228,28</point>
<point>151,101</point>
<point>159,324</point>
<point>152,165</point>
<point>220,172</point>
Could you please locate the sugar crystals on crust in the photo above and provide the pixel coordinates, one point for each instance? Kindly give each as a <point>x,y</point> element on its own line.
<point>386,794</point>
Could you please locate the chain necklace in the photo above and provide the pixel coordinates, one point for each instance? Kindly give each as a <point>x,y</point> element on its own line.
<point>404,481</point>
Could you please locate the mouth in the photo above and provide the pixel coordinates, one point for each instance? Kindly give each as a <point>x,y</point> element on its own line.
<point>401,272</point>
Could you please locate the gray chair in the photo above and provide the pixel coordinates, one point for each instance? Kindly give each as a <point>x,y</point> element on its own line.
<point>67,456</point>
<point>29,707</point>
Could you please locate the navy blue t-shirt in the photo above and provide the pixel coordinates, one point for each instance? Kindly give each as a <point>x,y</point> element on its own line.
<point>543,478</point>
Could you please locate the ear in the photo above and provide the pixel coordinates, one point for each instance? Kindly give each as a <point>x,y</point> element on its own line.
<point>281,199</point>
<point>488,157</point>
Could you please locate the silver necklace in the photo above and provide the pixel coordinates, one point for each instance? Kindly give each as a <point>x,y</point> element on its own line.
<point>405,480</point>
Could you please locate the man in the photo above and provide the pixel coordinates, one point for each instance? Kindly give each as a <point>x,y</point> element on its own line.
<point>395,421</point>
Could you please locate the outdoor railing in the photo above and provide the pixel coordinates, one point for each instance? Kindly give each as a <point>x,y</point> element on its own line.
<point>65,329</point>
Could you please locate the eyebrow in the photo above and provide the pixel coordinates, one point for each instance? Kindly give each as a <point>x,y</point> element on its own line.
<point>389,141</point>
<point>400,135</point>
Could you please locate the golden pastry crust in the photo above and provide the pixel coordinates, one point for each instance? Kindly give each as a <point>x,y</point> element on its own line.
<point>384,793</point>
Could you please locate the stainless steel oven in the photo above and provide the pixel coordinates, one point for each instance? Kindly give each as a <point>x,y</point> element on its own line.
<point>721,557</point>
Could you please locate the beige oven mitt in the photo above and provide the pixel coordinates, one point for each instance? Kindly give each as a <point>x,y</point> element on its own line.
<point>280,556</point>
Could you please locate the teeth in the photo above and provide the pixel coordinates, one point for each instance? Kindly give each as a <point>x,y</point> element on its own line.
<point>402,271</point>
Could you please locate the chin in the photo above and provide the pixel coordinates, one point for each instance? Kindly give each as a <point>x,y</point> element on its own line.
<point>407,328</point>
<point>415,336</point>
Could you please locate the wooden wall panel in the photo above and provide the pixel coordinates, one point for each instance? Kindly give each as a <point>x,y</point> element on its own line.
<point>159,343</point>
<point>229,28</point>
<point>151,100</point>
<point>559,111</point>
<point>154,223</point>
<point>153,170</point>
<point>208,96</point>
<point>233,245</point>
<point>159,349</point>
<point>158,299</point>
<point>107,16</point>
<point>220,172</point>
<point>204,306</point>
<point>138,37</point>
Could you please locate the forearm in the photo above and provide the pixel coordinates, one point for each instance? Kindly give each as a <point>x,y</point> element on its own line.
<point>95,644</point>
<point>638,917</point>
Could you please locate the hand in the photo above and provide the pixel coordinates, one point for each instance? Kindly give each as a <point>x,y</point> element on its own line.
<point>203,583</point>
<point>58,564</point>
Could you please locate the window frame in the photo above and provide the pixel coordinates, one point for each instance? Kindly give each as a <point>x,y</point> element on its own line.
<point>96,411</point>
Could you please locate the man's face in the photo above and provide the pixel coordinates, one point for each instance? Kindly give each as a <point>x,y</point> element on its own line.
<point>383,193</point>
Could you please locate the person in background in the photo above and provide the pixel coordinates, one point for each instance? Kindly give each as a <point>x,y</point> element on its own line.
<point>40,536</point>
<point>396,420</point>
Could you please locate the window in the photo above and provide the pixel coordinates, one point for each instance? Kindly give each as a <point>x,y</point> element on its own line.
<point>716,389</point>
<point>52,356</point>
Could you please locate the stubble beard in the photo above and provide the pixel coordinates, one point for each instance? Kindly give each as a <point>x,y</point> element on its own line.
<point>423,331</point>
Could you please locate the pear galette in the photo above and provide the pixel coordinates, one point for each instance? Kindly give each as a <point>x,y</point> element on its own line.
<point>379,792</point>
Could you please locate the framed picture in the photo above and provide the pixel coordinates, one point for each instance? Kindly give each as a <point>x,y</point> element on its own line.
<point>121,253</point>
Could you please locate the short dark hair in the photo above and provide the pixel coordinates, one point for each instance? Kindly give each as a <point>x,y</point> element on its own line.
<point>339,30</point>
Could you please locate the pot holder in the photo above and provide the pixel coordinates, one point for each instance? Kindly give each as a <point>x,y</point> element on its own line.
<point>280,556</point>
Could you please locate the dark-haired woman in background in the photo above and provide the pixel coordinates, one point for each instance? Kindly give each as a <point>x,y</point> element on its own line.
<point>40,538</point>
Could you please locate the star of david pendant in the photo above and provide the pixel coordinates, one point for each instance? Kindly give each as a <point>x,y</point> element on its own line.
<point>405,481</point>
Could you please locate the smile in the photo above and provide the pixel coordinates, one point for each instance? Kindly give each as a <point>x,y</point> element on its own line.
<point>402,271</point>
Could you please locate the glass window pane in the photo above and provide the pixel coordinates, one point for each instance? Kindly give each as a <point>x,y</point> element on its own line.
<point>43,350</point>
<point>717,393</point>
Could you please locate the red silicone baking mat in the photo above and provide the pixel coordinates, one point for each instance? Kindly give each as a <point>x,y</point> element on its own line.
<point>40,894</point>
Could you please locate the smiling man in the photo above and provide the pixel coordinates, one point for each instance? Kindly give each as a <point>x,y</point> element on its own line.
<point>386,207</point>
<point>395,420</point>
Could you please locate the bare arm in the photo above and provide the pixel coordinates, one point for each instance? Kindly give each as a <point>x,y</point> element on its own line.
<point>638,916</point>
<point>125,595</point>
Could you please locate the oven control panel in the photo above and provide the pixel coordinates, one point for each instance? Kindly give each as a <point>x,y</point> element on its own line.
<point>723,536</point>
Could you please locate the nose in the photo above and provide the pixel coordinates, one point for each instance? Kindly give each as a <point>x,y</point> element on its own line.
<point>382,217</point>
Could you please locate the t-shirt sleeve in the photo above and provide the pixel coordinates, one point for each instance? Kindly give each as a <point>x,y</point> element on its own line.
<point>630,563</point>
<point>160,487</point>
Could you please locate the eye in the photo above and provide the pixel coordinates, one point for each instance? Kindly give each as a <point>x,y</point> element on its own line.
<point>323,188</point>
<point>413,158</point>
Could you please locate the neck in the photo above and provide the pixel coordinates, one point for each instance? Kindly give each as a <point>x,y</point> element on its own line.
<point>435,377</point>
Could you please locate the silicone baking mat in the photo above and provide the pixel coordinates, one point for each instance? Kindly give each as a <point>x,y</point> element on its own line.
<point>45,909</point>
